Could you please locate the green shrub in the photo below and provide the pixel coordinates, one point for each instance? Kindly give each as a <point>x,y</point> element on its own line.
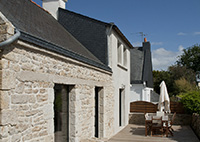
<point>191,101</point>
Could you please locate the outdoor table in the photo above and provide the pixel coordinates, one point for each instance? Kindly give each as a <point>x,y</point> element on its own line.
<point>148,122</point>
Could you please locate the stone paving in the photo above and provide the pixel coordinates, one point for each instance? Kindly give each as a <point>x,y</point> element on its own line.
<point>136,133</point>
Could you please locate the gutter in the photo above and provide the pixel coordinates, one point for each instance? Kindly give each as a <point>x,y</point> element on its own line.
<point>11,39</point>
<point>60,50</point>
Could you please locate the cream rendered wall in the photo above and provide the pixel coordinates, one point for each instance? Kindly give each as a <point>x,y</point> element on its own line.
<point>121,79</point>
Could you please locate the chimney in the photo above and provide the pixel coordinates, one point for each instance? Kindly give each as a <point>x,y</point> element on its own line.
<point>52,6</point>
<point>146,45</point>
<point>145,39</point>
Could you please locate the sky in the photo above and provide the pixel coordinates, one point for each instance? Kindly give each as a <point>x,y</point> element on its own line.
<point>169,25</point>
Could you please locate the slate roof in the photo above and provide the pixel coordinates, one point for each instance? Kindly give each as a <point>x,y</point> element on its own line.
<point>37,26</point>
<point>90,32</point>
<point>141,65</point>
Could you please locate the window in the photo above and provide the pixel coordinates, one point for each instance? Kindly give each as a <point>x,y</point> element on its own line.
<point>125,56</point>
<point>119,52</point>
<point>122,55</point>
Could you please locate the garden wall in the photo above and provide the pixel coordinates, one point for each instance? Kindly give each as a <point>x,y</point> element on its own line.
<point>195,124</point>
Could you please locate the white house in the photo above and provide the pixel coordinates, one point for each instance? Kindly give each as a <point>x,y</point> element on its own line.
<point>112,48</point>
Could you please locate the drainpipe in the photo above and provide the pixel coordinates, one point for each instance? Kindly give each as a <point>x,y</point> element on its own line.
<point>11,39</point>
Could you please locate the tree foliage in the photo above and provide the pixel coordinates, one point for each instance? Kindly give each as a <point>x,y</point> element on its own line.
<point>158,77</point>
<point>183,86</point>
<point>180,78</point>
<point>183,79</point>
<point>191,101</point>
<point>190,58</point>
<point>177,72</point>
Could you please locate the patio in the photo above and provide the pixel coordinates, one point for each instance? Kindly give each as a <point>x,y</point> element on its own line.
<point>136,133</point>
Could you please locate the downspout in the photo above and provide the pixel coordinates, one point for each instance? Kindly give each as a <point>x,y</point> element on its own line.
<point>11,39</point>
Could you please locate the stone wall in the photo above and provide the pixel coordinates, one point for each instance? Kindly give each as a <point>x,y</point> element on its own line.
<point>28,75</point>
<point>196,124</point>
<point>180,119</point>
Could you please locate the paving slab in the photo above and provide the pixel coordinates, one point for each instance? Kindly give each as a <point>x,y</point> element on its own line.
<point>136,133</point>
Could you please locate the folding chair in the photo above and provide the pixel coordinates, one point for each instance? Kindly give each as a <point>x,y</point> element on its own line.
<point>157,125</point>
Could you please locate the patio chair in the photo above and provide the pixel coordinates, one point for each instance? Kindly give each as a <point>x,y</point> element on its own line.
<point>157,126</point>
<point>170,123</point>
<point>160,113</point>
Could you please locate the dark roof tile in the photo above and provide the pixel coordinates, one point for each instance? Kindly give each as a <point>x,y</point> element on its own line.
<point>90,32</point>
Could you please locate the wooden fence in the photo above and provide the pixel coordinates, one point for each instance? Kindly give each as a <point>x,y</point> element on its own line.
<point>148,107</point>
<point>177,107</point>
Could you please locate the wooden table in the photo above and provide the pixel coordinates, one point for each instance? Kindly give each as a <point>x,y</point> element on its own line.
<point>148,122</point>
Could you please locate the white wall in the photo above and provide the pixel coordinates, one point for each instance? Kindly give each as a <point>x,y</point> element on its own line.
<point>52,6</point>
<point>121,79</point>
<point>136,92</point>
<point>140,93</point>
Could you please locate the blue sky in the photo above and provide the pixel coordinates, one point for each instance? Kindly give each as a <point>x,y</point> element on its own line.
<point>170,25</point>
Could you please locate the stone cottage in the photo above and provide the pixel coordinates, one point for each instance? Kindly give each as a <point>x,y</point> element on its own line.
<point>52,88</point>
<point>141,73</point>
<point>112,48</point>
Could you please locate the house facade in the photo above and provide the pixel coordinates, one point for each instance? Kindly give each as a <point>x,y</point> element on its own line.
<point>52,87</point>
<point>141,74</point>
<point>111,47</point>
<point>119,61</point>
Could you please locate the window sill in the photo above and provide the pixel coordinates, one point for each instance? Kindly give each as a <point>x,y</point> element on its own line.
<point>122,67</point>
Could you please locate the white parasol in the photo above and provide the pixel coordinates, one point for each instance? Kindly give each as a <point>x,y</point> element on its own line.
<point>164,102</point>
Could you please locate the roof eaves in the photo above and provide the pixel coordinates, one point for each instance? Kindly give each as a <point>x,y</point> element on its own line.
<point>123,36</point>
<point>55,48</point>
